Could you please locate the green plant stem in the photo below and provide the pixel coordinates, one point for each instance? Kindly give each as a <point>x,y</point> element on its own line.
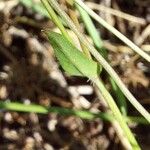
<point>102,61</point>
<point>117,113</point>
<point>83,114</point>
<point>90,27</point>
<point>45,110</point>
<point>121,100</point>
<point>99,45</point>
<point>14,106</point>
<point>113,30</point>
<point>135,119</point>
<point>55,19</point>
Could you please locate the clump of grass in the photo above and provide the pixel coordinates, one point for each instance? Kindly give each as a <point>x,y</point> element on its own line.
<point>64,45</point>
<point>77,63</point>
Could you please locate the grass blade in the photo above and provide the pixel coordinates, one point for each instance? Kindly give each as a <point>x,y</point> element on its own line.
<point>99,45</point>
<point>19,107</point>
<point>15,106</point>
<point>113,30</point>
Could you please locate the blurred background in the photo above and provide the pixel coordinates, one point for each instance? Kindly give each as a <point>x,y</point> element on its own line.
<point>29,73</point>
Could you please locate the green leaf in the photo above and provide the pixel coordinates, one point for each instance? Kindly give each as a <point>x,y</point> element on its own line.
<point>73,61</point>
